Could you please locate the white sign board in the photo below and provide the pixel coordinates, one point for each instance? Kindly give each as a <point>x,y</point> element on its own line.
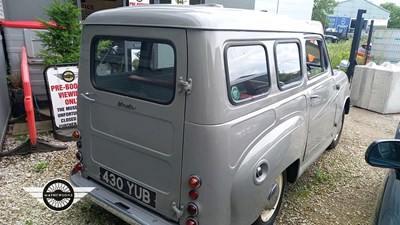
<point>62,82</point>
<point>138,2</point>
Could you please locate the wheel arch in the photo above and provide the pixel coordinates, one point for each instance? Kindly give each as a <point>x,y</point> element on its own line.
<point>347,106</point>
<point>292,171</point>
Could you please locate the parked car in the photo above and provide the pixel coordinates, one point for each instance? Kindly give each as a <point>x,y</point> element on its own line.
<point>213,120</point>
<point>386,154</point>
<point>331,38</point>
<point>361,54</point>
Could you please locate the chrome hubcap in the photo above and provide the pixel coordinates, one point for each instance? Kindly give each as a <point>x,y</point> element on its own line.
<point>273,199</point>
<point>339,128</point>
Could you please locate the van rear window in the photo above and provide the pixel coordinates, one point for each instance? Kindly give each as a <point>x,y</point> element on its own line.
<point>143,69</point>
<point>247,72</point>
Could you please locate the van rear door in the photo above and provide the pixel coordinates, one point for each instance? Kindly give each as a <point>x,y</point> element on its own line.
<point>131,111</point>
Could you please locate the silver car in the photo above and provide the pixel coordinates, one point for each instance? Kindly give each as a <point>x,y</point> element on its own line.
<point>200,115</point>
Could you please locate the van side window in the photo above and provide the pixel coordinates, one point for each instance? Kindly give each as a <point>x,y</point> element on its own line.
<point>247,72</point>
<point>288,65</point>
<point>140,69</point>
<point>315,58</point>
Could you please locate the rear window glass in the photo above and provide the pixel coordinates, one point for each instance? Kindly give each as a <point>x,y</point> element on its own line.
<point>247,72</point>
<point>143,69</point>
<point>288,65</point>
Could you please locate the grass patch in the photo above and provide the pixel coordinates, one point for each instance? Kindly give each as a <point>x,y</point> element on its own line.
<point>321,176</point>
<point>21,138</point>
<point>341,50</point>
<point>304,192</point>
<point>41,166</point>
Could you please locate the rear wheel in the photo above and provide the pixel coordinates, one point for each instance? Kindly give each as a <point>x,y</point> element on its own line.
<point>337,136</point>
<point>274,201</point>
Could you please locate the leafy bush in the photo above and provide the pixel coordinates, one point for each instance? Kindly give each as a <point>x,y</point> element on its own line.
<point>338,52</point>
<point>62,41</point>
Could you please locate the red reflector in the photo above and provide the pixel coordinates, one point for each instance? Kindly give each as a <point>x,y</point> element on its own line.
<point>192,209</point>
<point>191,221</point>
<point>76,134</point>
<point>193,194</point>
<point>194,181</point>
<point>79,166</point>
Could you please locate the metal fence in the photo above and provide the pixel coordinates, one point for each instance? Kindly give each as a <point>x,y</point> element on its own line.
<point>386,46</point>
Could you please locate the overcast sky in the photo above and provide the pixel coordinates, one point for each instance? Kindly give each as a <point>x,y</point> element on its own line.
<point>378,2</point>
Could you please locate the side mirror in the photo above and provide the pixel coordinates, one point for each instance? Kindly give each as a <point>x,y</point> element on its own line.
<point>384,154</point>
<point>398,132</point>
<point>344,64</point>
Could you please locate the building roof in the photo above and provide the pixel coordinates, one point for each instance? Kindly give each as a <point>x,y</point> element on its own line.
<point>201,17</point>
<point>349,8</point>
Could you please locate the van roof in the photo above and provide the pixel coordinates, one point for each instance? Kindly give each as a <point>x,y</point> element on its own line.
<point>201,17</point>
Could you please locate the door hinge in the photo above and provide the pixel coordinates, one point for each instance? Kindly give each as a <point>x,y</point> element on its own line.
<point>178,211</point>
<point>185,85</point>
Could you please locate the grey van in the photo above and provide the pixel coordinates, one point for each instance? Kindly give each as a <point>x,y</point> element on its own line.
<point>201,115</point>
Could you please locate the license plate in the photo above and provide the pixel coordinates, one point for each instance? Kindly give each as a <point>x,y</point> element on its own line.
<point>128,187</point>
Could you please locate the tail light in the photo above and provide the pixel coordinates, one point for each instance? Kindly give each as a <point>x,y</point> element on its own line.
<point>191,221</point>
<point>79,144</point>
<point>192,209</point>
<point>78,155</point>
<point>194,182</point>
<point>77,168</point>
<point>76,134</point>
<point>193,194</point>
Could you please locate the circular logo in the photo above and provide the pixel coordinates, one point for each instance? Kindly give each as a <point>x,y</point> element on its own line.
<point>68,76</point>
<point>235,93</point>
<point>58,195</point>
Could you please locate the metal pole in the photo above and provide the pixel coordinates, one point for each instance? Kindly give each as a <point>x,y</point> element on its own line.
<point>355,43</point>
<point>371,30</point>
<point>277,7</point>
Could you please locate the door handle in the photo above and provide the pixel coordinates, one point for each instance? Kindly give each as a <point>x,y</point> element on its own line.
<point>85,96</point>
<point>314,96</point>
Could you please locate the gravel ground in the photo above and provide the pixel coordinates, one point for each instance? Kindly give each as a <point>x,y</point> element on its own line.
<point>340,188</point>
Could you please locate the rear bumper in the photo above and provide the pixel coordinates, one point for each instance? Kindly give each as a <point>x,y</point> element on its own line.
<point>112,202</point>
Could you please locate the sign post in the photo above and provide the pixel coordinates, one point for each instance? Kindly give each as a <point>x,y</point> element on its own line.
<point>33,144</point>
<point>62,91</point>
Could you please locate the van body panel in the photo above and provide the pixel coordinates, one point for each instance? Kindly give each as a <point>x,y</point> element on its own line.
<point>322,98</point>
<point>282,131</point>
<point>207,48</point>
<point>119,130</point>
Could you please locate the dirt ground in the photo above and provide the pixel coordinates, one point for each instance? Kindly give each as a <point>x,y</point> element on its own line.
<point>340,187</point>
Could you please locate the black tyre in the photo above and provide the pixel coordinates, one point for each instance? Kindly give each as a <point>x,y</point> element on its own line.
<point>272,207</point>
<point>336,138</point>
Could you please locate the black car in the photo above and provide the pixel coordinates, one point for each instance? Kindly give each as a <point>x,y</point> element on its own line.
<point>331,38</point>
<point>386,154</point>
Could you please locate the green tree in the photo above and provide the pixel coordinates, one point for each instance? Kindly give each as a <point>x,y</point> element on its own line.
<point>394,21</point>
<point>321,10</point>
<point>62,41</point>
